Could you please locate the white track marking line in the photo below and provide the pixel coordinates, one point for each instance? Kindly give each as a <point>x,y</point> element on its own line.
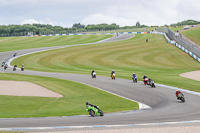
<point>98,126</point>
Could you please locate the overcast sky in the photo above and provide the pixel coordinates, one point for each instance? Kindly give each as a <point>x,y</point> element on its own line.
<point>122,12</point>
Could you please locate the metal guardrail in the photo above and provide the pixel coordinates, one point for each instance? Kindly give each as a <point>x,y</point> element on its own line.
<point>181,40</point>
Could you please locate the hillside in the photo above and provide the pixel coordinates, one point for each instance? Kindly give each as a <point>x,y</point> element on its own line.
<point>193,34</point>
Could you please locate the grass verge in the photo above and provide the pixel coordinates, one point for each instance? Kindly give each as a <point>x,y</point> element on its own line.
<point>73,102</point>
<point>193,34</point>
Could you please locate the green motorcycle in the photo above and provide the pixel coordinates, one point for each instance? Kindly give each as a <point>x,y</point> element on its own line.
<point>3,64</point>
<point>94,111</point>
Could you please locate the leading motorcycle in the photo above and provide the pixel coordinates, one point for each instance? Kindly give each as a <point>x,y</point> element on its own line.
<point>94,111</point>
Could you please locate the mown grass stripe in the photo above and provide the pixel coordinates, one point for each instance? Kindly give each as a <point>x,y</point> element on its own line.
<point>157,59</point>
<point>18,43</point>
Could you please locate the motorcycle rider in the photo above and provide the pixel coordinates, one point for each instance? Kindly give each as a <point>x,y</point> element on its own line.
<point>6,66</point>
<point>144,77</point>
<point>134,76</point>
<point>2,64</point>
<point>92,72</point>
<point>14,54</point>
<point>14,68</point>
<point>149,80</point>
<point>177,93</point>
<point>22,66</point>
<point>88,104</point>
<point>112,73</point>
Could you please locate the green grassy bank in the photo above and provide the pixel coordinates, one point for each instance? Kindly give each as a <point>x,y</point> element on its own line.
<point>193,34</point>
<point>19,43</point>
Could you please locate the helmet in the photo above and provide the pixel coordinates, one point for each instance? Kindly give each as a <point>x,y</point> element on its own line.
<point>133,73</point>
<point>87,103</point>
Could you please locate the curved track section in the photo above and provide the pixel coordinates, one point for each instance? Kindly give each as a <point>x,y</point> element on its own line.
<point>165,107</point>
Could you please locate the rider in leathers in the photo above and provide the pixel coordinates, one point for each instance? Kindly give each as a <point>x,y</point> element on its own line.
<point>88,104</point>
<point>112,72</point>
<point>178,92</point>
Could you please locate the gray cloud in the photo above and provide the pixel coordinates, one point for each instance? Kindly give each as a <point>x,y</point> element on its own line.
<point>122,12</point>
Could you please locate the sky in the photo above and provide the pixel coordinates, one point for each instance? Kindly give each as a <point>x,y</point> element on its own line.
<point>122,12</point>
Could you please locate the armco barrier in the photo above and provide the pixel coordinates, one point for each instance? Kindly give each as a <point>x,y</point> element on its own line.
<point>177,45</point>
<point>94,33</point>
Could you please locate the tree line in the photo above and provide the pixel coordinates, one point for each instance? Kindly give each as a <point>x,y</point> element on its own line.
<point>45,29</point>
<point>186,22</point>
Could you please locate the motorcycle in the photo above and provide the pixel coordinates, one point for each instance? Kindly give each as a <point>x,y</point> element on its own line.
<point>113,76</point>
<point>134,79</point>
<point>2,65</point>
<point>94,75</point>
<point>22,68</point>
<point>94,111</point>
<point>152,84</point>
<point>5,67</point>
<point>145,81</point>
<point>14,68</point>
<point>181,97</point>
<point>14,54</point>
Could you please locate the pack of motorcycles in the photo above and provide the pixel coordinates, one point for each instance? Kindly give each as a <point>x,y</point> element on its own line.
<point>93,110</point>
<point>15,67</point>
<point>97,112</point>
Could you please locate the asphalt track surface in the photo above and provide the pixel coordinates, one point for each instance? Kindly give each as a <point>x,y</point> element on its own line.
<point>164,105</point>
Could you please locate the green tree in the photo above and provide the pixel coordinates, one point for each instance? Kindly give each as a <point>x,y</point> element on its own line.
<point>78,26</point>
<point>138,24</point>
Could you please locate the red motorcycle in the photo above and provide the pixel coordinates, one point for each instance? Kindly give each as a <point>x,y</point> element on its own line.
<point>145,81</point>
<point>5,67</point>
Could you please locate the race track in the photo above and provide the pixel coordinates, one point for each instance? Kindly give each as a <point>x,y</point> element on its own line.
<point>164,105</point>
